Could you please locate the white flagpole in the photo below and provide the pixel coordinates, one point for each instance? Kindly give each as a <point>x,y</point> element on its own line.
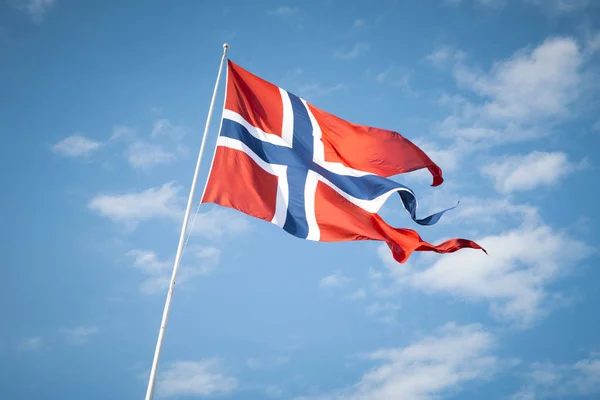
<point>161,332</point>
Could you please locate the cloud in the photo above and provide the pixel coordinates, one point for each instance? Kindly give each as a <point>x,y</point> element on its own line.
<point>398,77</point>
<point>134,207</point>
<point>283,11</point>
<point>164,127</point>
<point>514,277</point>
<point>196,261</point>
<point>527,172</point>
<point>312,90</point>
<point>79,335</point>
<point>195,378</point>
<point>518,99</point>
<point>445,55</point>
<point>142,154</point>
<point>383,311</point>
<point>358,294</point>
<point>274,391</point>
<point>356,51</point>
<point>220,222</point>
<point>37,9</point>
<point>553,7</point>
<point>359,24</point>
<point>548,380</point>
<point>560,6</point>
<point>334,280</point>
<point>76,145</point>
<point>427,368</point>
<point>535,84</point>
<point>122,132</point>
<point>30,344</point>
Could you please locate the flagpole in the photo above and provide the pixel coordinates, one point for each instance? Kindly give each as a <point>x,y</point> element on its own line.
<point>161,332</point>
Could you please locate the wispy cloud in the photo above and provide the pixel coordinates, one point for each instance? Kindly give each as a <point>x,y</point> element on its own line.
<point>37,9</point>
<point>425,369</point>
<point>560,6</point>
<point>554,381</point>
<point>398,77</point>
<point>527,172</point>
<point>76,145</point>
<point>289,15</point>
<point>356,51</point>
<point>134,207</point>
<point>195,378</point>
<point>164,127</point>
<point>79,335</point>
<point>513,279</point>
<point>533,85</point>
<point>519,99</point>
<point>30,344</point>
<point>359,24</point>
<point>198,261</point>
<point>142,154</point>
<point>312,90</point>
<point>444,56</point>
<point>384,311</point>
<point>334,280</point>
<point>220,222</point>
<point>284,11</point>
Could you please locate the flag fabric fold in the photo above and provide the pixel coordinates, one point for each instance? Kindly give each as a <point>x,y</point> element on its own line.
<point>315,175</point>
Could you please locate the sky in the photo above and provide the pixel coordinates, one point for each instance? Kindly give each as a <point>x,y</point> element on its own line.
<point>102,110</point>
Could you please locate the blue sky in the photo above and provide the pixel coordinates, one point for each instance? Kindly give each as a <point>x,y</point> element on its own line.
<point>102,110</point>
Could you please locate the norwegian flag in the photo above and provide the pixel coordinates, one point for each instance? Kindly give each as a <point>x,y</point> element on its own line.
<point>317,176</point>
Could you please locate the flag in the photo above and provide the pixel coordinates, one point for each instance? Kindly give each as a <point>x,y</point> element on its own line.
<point>313,174</point>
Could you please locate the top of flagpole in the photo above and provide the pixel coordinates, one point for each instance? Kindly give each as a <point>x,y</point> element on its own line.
<point>225,48</point>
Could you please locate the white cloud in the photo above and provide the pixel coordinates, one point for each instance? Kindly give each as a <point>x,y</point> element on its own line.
<point>30,344</point>
<point>312,90</point>
<point>220,222</point>
<point>196,261</point>
<point>398,77</point>
<point>37,9</point>
<point>142,154</point>
<point>442,56</point>
<point>134,207</point>
<point>520,98</point>
<point>195,378</point>
<point>548,380</point>
<point>539,83</point>
<point>358,50</point>
<point>383,311</point>
<point>164,127</point>
<point>560,6</point>
<point>274,391</point>
<point>358,294</point>
<point>526,172</point>
<point>283,11</point>
<point>76,145</point>
<point>426,369</point>
<point>491,211</point>
<point>359,24</point>
<point>513,278</point>
<point>79,335</point>
<point>334,280</point>
<point>122,132</point>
